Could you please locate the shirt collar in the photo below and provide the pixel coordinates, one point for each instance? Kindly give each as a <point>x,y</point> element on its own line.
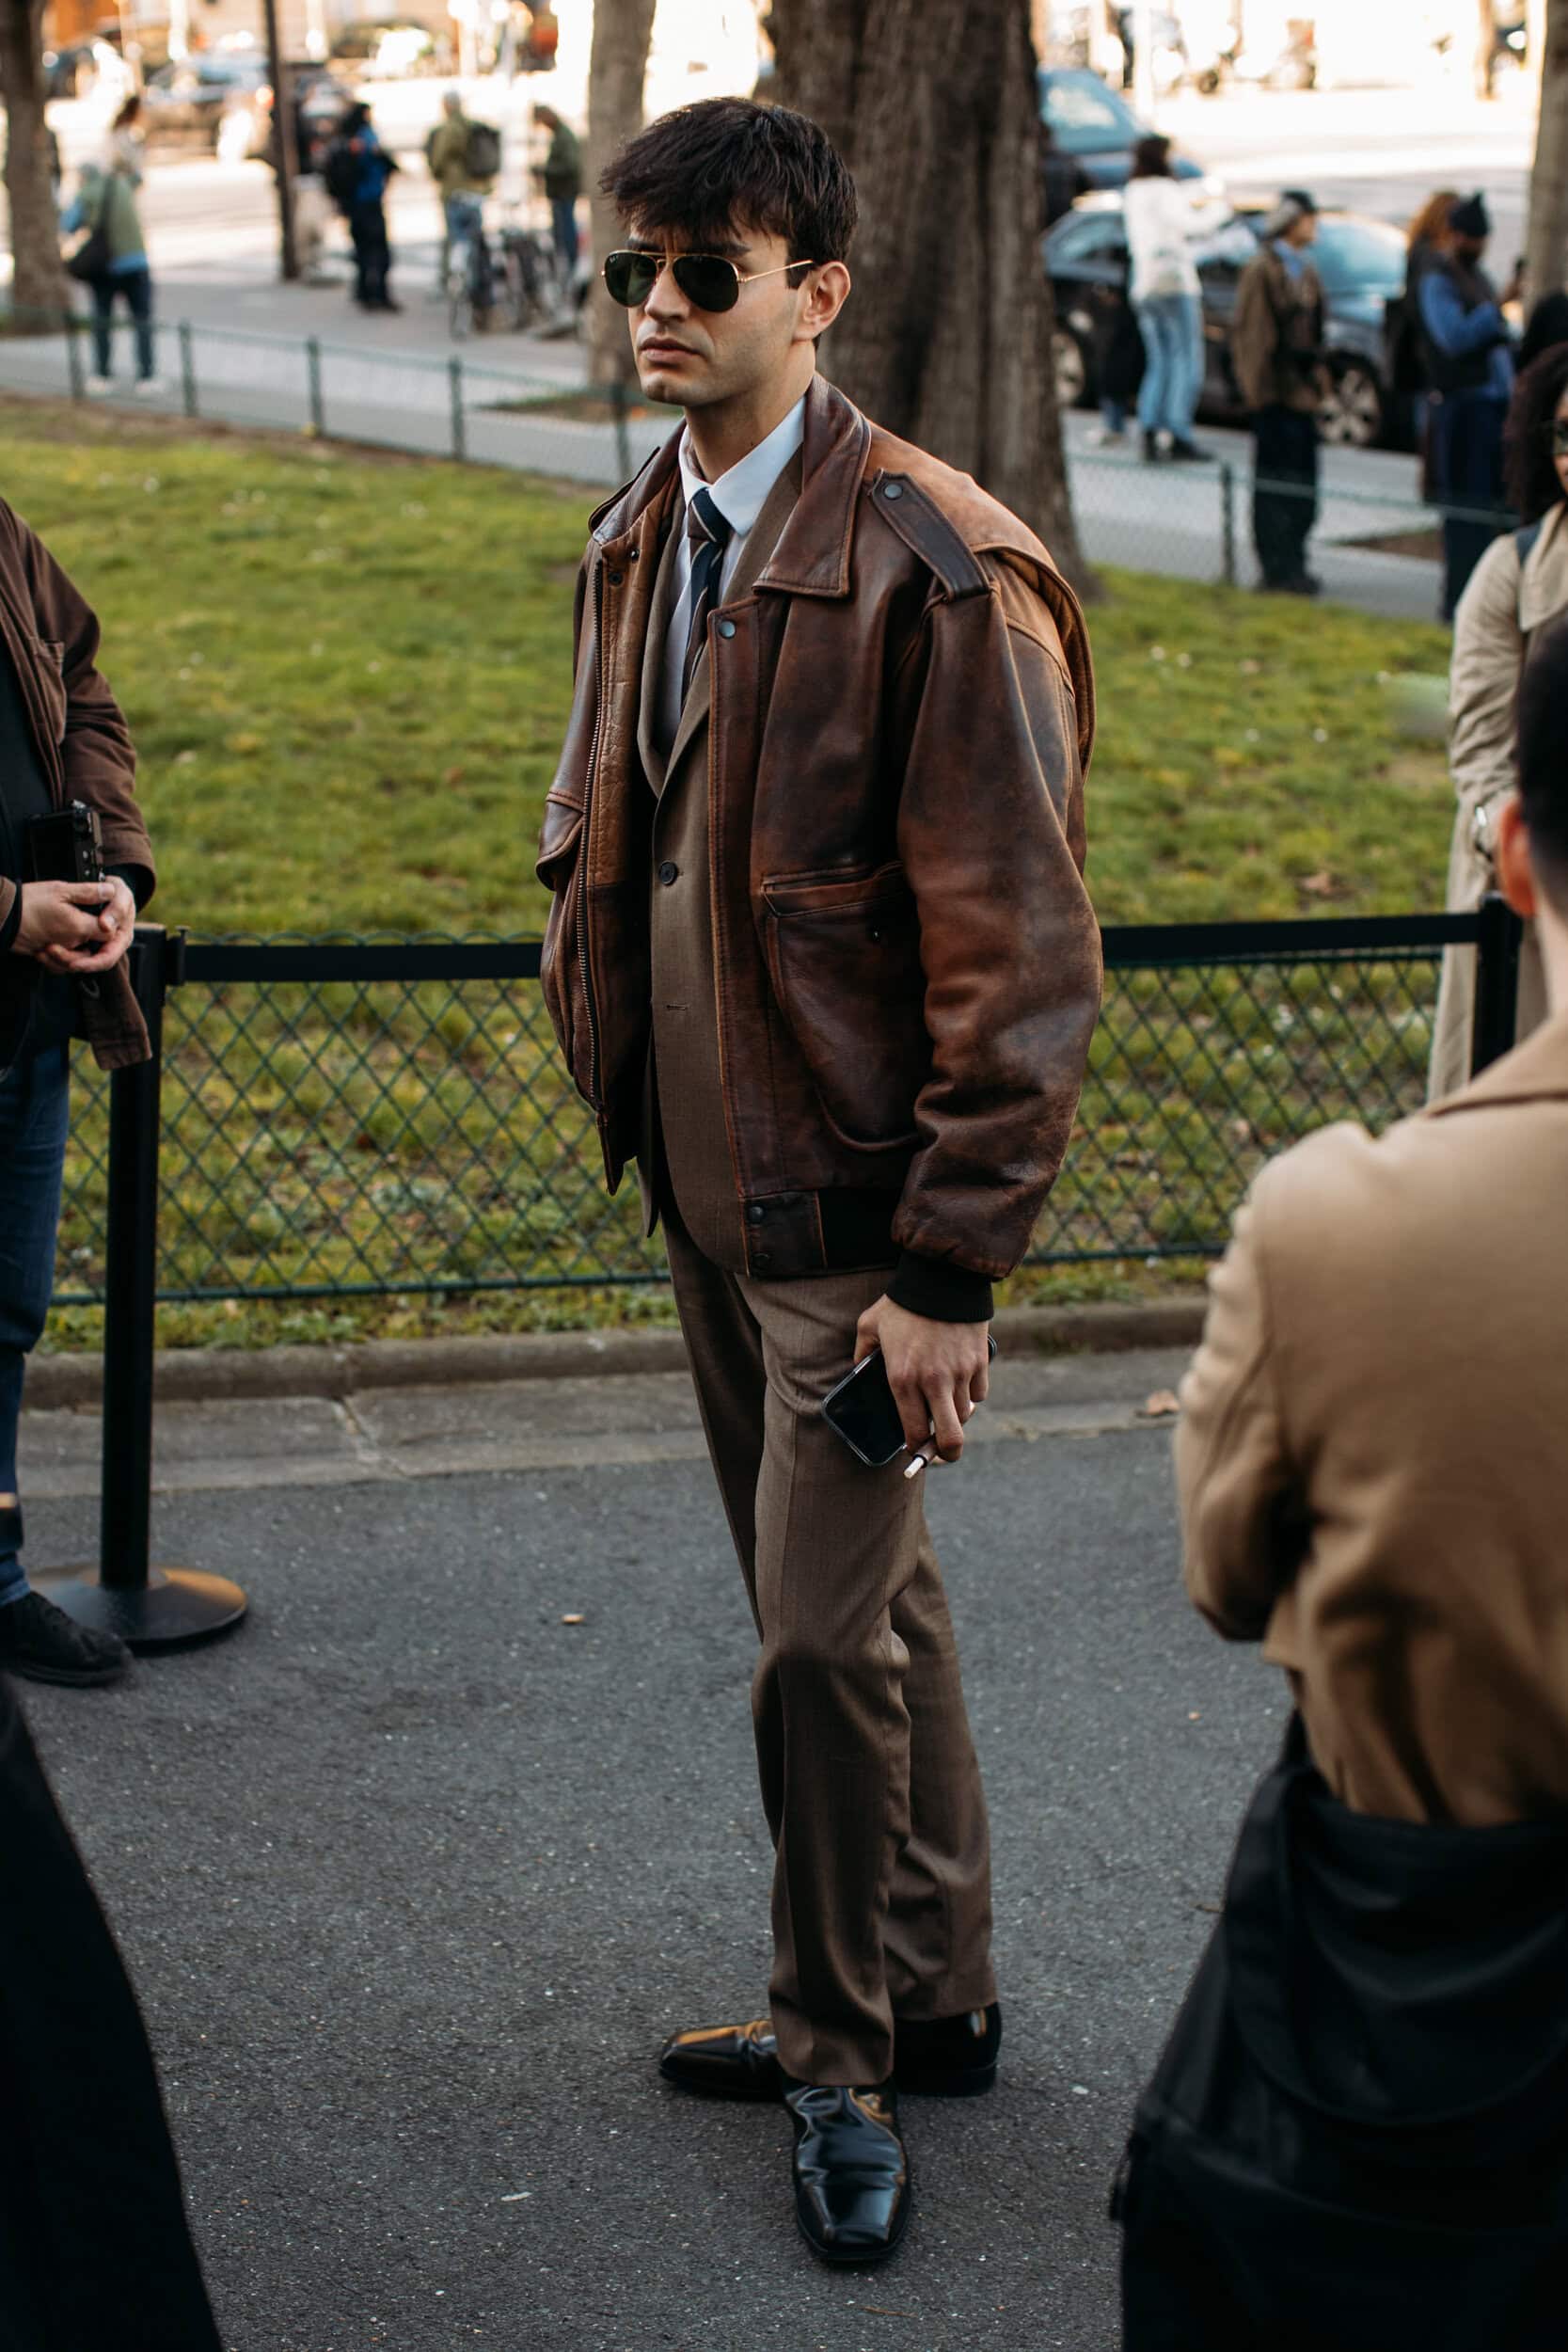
<point>741,494</point>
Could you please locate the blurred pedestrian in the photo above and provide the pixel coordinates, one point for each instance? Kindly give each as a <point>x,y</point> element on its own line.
<point>313,134</point>
<point>464,158</point>
<point>1166,301</point>
<point>1469,361</point>
<point>357,170</point>
<point>127,142</point>
<point>561,172</point>
<point>62,975</point>
<point>1277,348</point>
<point>105,209</point>
<point>1423,247</point>
<point>1519,583</point>
<point>95,2249</point>
<point>1120,362</point>
<point>1062,176</point>
<point>1357,2135</point>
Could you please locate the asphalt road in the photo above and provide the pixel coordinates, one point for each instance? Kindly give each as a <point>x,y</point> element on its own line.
<point>413,1876</point>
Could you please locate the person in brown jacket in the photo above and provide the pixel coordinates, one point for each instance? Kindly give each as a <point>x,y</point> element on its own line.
<point>1357,2133</point>
<point>62,973</point>
<point>1275,349</point>
<point>822,962</point>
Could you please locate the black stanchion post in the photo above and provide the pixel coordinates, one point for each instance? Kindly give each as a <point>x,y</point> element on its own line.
<point>313,380</point>
<point>623,437</point>
<point>1497,946</point>
<point>187,369</point>
<point>459,422</point>
<point>74,356</point>
<point>1228,524</point>
<point>150,1608</point>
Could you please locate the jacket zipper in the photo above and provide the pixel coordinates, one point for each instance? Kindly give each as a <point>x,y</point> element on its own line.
<point>583,966</point>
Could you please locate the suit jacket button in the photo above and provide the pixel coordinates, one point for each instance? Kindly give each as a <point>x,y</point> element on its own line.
<point>762,1258</point>
<point>668,872</point>
<point>754,1213</point>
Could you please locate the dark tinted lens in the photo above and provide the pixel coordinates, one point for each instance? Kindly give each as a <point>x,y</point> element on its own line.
<point>1559,437</point>
<point>711,283</point>
<point>629,277</point>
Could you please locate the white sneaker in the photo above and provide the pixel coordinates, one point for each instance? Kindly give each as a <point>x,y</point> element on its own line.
<point>1102,438</point>
<point>149,388</point>
<point>99,385</point>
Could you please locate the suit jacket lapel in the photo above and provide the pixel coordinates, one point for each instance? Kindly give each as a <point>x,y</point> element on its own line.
<point>654,764</point>
<point>761,540</point>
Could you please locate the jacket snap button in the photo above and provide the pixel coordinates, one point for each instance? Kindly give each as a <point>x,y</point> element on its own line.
<point>616,578</point>
<point>726,629</point>
<point>668,872</point>
<point>755,1213</point>
<point>893,489</point>
<point>761,1258</point>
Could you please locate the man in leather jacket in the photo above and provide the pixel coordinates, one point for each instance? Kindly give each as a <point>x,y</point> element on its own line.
<point>822,962</point>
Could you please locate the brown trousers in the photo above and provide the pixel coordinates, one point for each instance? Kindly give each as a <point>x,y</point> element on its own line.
<point>882,1882</point>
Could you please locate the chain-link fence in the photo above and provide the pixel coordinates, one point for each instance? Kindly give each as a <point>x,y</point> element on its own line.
<point>1373,542</point>
<point>344,1119</point>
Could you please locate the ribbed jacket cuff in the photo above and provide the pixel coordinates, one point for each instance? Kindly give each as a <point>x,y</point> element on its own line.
<point>937,1287</point>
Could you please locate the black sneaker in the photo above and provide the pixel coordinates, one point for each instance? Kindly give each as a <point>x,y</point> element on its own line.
<point>41,1644</point>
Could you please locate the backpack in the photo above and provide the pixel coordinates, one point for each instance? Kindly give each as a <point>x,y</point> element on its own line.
<point>482,155</point>
<point>341,174</point>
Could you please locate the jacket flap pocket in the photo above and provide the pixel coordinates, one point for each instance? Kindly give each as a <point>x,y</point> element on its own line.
<point>559,839</point>
<point>823,894</point>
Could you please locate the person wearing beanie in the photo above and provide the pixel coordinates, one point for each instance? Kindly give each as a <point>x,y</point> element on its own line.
<point>1277,350</point>
<point>1467,355</point>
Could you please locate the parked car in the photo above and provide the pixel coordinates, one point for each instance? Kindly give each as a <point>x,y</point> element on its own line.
<point>222,99</point>
<point>1095,126</point>
<point>1360,261</point>
<point>390,48</point>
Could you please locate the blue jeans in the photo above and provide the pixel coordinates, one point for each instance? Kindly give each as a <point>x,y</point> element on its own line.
<point>564,229</point>
<point>466,226</point>
<point>1172,328</point>
<point>35,1113</point>
<point>136,286</point>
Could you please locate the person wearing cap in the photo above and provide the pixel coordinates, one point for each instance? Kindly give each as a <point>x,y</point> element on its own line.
<point>1467,354</point>
<point>1277,350</point>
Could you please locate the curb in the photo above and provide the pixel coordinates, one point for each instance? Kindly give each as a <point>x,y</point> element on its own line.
<point>223,1374</point>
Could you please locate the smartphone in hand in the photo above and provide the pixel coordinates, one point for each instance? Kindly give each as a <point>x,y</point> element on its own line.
<point>864,1411</point>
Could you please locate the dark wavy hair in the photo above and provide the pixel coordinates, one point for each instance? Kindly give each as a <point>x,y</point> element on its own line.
<point>1543,728</point>
<point>1529,474</point>
<point>727,163</point>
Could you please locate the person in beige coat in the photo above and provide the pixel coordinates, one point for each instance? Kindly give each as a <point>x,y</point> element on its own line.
<point>1356,2134</point>
<point>1520,581</point>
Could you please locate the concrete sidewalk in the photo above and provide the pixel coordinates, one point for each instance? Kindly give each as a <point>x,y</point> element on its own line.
<point>415,1871</point>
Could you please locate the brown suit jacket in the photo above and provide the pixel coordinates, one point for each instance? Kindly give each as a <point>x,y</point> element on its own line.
<point>1374,1458</point>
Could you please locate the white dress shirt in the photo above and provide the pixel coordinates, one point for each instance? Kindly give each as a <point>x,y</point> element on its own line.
<point>740,496</point>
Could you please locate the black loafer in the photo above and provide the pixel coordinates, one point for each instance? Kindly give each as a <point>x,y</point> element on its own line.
<point>41,1644</point>
<point>945,2058</point>
<point>724,2061</point>
<point>851,2173</point>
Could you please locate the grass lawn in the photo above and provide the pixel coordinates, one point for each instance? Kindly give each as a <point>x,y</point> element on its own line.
<point>348,674</point>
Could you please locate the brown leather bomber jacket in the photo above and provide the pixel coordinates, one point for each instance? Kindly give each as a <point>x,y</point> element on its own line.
<point>906,960</point>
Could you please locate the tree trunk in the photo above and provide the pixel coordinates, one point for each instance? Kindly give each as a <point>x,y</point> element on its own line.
<point>40,286</point>
<point>617,69</point>
<point>1546,232</point>
<point>946,338</point>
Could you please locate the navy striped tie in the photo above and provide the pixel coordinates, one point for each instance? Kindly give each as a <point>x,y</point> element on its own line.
<point>709,534</point>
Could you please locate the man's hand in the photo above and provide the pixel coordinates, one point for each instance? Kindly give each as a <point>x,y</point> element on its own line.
<point>75,926</point>
<point>938,1373</point>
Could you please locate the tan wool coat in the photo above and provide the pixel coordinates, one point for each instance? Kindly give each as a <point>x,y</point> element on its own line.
<point>1372,1462</point>
<point>1504,603</point>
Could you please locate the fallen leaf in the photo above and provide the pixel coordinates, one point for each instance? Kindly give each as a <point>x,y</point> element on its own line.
<point>1163,1402</point>
<point>576,1618</point>
<point>1320,885</point>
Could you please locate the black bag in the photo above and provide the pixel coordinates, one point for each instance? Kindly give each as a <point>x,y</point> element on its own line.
<point>341,174</point>
<point>91,258</point>
<point>1358,2132</point>
<point>482,151</point>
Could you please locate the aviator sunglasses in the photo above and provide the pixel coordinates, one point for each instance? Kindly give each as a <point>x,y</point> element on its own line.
<point>1557,433</point>
<point>708,279</point>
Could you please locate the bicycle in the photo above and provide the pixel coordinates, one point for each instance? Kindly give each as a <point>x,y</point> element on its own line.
<point>530,292</point>
<point>469,287</point>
